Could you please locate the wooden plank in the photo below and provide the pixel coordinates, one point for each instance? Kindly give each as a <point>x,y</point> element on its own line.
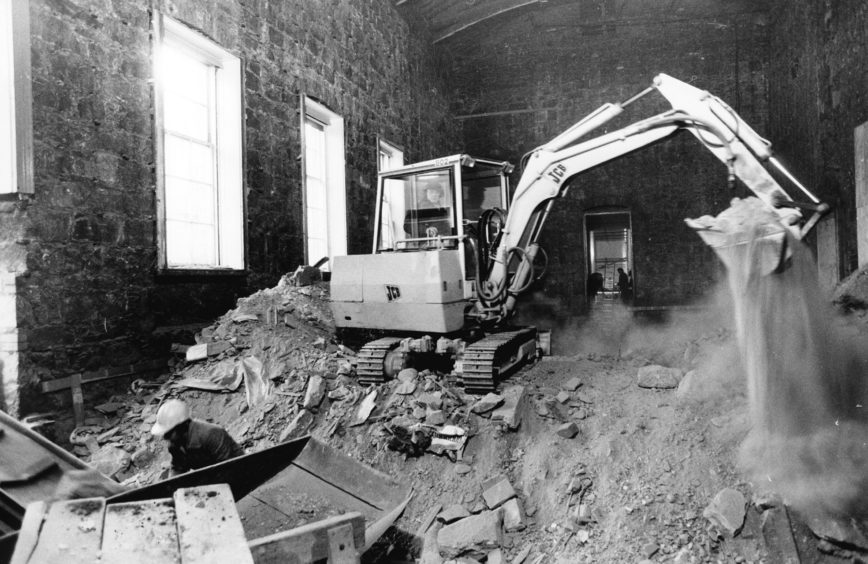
<point>141,532</point>
<point>209,529</point>
<point>29,533</point>
<point>77,399</point>
<point>105,374</point>
<point>309,543</point>
<point>71,532</point>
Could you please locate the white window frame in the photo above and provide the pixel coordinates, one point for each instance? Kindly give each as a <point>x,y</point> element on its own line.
<point>227,121</point>
<point>335,181</point>
<point>389,156</point>
<point>16,113</point>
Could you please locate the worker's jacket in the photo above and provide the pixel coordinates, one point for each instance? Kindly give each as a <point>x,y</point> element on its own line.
<point>204,444</point>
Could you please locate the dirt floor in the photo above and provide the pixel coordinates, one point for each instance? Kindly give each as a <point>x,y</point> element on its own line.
<point>631,486</point>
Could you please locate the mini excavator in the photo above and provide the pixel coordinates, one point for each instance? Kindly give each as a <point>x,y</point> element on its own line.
<point>443,278</point>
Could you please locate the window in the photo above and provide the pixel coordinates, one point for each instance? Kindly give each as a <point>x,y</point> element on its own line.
<point>16,119</point>
<point>324,183</point>
<point>199,182</point>
<point>389,156</point>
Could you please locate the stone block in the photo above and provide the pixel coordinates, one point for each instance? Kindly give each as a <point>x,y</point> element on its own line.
<point>726,511</point>
<point>316,389</point>
<point>513,516</point>
<point>512,410</point>
<point>497,491</point>
<point>477,533</point>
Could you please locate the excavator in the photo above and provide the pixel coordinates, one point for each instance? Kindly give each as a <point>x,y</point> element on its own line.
<point>446,271</point>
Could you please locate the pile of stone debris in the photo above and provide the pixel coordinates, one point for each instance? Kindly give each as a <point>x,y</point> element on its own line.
<point>270,370</point>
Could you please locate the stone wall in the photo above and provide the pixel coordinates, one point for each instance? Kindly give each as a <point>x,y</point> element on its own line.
<point>818,84</point>
<point>562,62</point>
<point>90,297</point>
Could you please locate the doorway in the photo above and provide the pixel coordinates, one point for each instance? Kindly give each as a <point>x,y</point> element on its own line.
<point>610,247</point>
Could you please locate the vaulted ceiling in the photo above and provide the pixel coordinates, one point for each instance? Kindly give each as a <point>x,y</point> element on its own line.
<point>451,20</point>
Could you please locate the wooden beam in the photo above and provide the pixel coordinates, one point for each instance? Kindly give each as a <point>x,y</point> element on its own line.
<point>105,374</point>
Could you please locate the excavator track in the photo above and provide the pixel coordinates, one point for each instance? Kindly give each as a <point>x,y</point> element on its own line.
<point>491,357</point>
<point>370,367</point>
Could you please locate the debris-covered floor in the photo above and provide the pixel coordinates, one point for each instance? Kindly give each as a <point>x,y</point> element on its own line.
<point>620,447</point>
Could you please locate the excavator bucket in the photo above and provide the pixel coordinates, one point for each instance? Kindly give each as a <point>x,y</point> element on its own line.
<point>746,231</point>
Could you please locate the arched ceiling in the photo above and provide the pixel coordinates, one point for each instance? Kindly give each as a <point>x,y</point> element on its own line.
<point>449,20</point>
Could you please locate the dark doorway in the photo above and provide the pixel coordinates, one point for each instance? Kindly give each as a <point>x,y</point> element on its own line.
<point>610,247</point>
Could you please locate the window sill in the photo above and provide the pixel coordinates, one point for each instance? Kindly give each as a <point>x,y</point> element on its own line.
<point>201,272</point>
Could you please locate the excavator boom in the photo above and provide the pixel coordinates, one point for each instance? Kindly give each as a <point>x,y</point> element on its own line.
<point>549,168</point>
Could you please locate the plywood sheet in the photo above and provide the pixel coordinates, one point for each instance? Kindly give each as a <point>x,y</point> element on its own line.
<point>71,532</point>
<point>141,532</point>
<point>209,529</point>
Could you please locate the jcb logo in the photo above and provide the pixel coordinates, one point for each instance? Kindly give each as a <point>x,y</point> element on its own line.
<point>392,293</point>
<point>557,173</point>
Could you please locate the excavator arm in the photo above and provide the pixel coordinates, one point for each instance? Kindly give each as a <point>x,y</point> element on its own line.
<point>548,168</point>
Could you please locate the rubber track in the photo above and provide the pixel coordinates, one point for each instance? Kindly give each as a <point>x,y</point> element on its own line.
<point>369,362</point>
<point>483,359</point>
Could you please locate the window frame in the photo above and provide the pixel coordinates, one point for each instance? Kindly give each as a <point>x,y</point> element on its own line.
<point>394,152</point>
<point>17,118</point>
<point>229,183</point>
<point>336,185</point>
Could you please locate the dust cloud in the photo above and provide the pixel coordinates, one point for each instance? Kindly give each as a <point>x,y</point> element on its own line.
<point>807,384</point>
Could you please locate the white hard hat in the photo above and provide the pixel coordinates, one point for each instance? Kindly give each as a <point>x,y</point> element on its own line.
<point>170,415</point>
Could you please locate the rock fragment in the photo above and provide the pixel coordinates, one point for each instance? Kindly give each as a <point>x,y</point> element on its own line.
<point>498,490</point>
<point>487,403</point>
<point>572,384</point>
<point>477,533</point>
<point>513,516</point>
<point>568,430</point>
<point>511,412</point>
<point>453,513</point>
<point>726,511</point>
<point>316,390</point>
<point>660,377</point>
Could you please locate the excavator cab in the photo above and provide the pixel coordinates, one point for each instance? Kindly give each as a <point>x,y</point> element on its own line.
<point>421,275</point>
<point>435,205</point>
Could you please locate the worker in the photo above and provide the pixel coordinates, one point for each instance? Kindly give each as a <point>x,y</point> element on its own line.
<point>623,284</point>
<point>193,444</point>
<point>433,196</point>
